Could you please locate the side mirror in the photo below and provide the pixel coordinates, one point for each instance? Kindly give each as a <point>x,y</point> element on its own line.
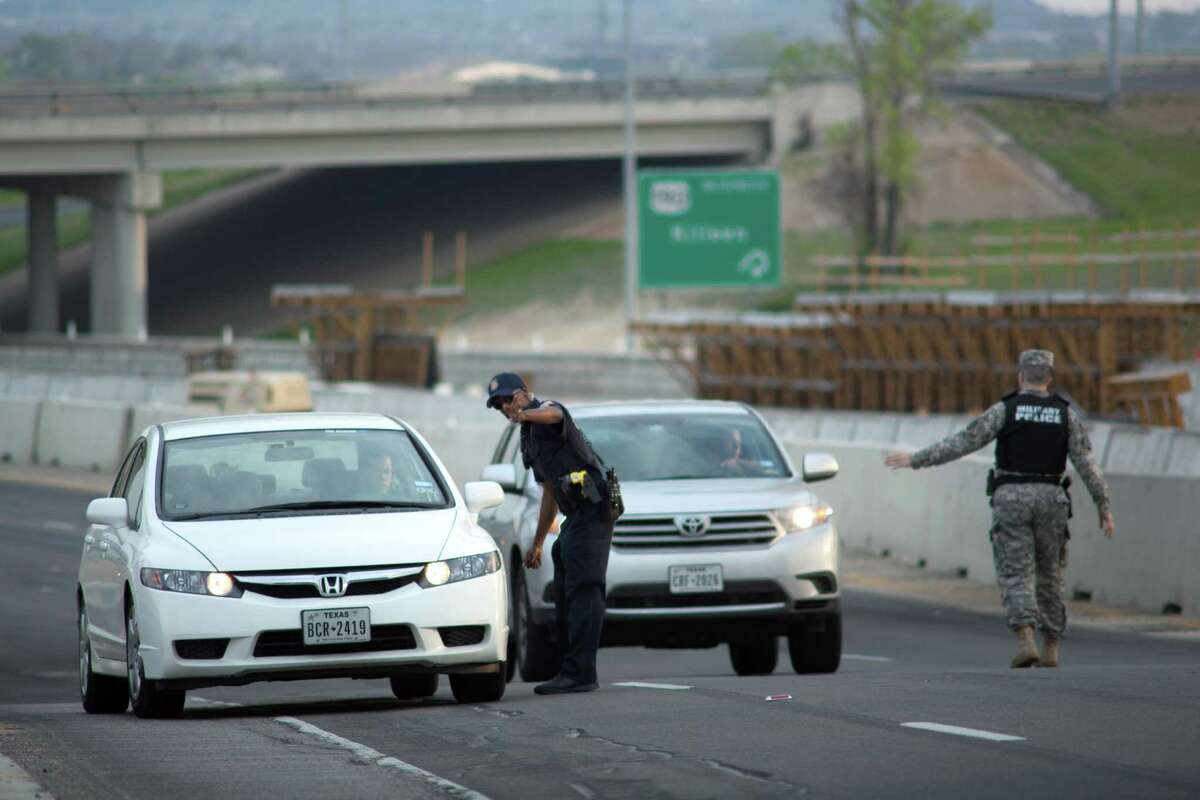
<point>503,474</point>
<point>111,511</point>
<point>819,467</point>
<point>483,494</point>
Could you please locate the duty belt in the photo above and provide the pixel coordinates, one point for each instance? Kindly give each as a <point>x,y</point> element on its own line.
<point>1006,478</point>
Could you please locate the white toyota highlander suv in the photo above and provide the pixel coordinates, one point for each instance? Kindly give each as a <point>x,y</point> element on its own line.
<point>722,540</point>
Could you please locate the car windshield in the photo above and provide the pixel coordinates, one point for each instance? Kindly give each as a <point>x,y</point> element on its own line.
<point>659,447</point>
<point>294,472</point>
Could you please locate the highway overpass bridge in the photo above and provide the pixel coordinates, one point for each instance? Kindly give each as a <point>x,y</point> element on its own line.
<point>110,148</point>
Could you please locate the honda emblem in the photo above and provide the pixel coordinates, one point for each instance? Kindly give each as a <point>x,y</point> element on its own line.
<point>332,585</point>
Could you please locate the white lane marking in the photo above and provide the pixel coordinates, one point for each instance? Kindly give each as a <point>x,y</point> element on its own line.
<point>957,731</point>
<point>368,754</point>
<point>639,685</point>
<point>855,657</point>
<point>584,792</point>
<point>447,787</point>
<point>61,527</point>
<point>16,784</point>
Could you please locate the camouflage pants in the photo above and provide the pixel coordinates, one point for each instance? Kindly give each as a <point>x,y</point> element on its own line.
<point>1029,545</point>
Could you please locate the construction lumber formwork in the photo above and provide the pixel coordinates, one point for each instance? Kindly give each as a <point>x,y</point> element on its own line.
<point>924,352</point>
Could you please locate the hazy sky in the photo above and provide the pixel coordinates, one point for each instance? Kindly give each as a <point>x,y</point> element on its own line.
<point>1127,6</point>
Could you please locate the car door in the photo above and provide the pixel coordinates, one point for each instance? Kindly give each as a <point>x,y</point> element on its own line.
<point>501,521</point>
<point>93,571</point>
<point>125,539</point>
<point>113,571</point>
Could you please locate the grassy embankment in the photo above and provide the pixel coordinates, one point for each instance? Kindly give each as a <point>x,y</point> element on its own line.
<point>73,228</point>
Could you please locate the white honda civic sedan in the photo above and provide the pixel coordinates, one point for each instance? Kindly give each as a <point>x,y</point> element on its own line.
<point>283,547</point>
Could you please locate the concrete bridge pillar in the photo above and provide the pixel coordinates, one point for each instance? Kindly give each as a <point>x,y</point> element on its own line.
<point>118,276</point>
<point>42,230</point>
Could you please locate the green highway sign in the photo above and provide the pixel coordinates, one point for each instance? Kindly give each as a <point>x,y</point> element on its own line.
<point>708,229</point>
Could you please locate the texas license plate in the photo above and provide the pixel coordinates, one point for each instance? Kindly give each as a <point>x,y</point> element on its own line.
<point>336,625</point>
<point>692,579</point>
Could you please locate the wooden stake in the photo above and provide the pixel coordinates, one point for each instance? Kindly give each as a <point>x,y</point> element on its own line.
<point>1016,262</point>
<point>460,259</point>
<point>1037,262</point>
<point>1092,260</point>
<point>1143,267</point>
<point>427,259</point>
<point>1178,282</point>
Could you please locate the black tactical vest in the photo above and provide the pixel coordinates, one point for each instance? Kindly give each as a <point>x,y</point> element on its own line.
<point>553,451</point>
<point>1035,435</point>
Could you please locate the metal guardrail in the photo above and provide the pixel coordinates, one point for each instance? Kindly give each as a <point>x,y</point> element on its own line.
<point>84,100</point>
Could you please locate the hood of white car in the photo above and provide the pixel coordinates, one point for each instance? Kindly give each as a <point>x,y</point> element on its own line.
<point>709,496</point>
<point>317,541</point>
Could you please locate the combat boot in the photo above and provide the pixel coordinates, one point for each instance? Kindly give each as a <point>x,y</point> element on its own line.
<point>1027,652</point>
<point>1049,656</point>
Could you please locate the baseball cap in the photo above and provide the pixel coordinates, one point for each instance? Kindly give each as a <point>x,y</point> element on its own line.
<point>502,387</point>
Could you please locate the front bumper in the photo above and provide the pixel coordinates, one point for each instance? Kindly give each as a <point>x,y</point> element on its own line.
<point>166,617</point>
<point>795,576</point>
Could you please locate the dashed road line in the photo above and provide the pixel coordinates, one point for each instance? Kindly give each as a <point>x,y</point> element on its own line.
<point>16,784</point>
<point>677,687</point>
<point>973,733</point>
<point>61,527</point>
<point>857,657</point>
<point>365,753</point>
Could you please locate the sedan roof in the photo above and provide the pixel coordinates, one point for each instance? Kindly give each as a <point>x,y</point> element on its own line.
<point>665,407</point>
<point>254,423</point>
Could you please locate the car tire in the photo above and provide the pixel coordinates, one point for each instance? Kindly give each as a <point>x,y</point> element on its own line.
<point>817,651</point>
<point>480,688</point>
<point>101,694</point>
<point>414,686</point>
<point>514,624</point>
<point>754,656</point>
<point>537,656</point>
<point>148,701</point>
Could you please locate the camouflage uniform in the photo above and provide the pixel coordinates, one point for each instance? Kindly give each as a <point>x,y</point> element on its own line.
<point>1029,521</point>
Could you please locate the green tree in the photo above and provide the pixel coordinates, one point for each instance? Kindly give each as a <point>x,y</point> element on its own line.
<point>805,59</point>
<point>897,47</point>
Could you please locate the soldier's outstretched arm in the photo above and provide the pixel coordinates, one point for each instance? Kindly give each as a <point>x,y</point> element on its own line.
<point>978,433</point>
<point>1079,448</point>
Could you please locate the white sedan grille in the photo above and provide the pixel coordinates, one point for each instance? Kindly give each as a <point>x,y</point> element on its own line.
<point>695,530</point>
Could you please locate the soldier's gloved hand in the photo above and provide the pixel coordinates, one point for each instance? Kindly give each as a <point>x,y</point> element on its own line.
<point>1107,524</point>
<point>533,559</point>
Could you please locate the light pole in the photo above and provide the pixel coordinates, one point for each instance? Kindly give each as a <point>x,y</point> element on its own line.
<point>1114,55</point>
<point>629,183</point>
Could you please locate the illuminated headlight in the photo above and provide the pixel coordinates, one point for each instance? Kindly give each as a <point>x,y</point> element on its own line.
<point>802,518</point>
<point>217,584</point>
<point>452,570</point>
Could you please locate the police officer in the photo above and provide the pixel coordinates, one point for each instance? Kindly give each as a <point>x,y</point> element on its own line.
<point>1035,433</point>
<point>572,481</point>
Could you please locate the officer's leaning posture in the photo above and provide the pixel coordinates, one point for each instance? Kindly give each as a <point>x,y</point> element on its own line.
<point>573,480</point>
<point>1035,432</point>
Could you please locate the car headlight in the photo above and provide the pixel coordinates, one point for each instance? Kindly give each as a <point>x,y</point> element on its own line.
<point>438,573</point>
<point>217,584</point>
<point>803,518</point>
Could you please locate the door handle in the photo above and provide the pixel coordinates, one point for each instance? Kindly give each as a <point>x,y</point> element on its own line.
<point>104,545</point>
<point>89,540</point>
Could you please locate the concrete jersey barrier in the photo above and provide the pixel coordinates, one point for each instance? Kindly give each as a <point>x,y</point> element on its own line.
<point>18,428</point>
<point>82,435</point>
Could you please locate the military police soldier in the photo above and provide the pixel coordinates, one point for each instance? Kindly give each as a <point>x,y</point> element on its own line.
<point>573,481</point>
<point>1035,432</point>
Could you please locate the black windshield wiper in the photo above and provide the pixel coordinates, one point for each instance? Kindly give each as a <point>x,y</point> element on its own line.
<point>313,505</point>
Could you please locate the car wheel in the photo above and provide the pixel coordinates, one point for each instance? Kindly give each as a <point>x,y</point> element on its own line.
<point>754,656</point>
<point>148,701</point>
<point>101,694</point>
<point>486,688</point>
<point>538,656</point>
<point>817,651</point>
<point>414,687</point>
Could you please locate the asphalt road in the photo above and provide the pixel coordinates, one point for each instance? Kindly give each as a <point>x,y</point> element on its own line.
<point>1119,719</point>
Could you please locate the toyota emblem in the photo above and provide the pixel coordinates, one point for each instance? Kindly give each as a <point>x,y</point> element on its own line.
<point>692,525</point>
<point>332,585</point>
